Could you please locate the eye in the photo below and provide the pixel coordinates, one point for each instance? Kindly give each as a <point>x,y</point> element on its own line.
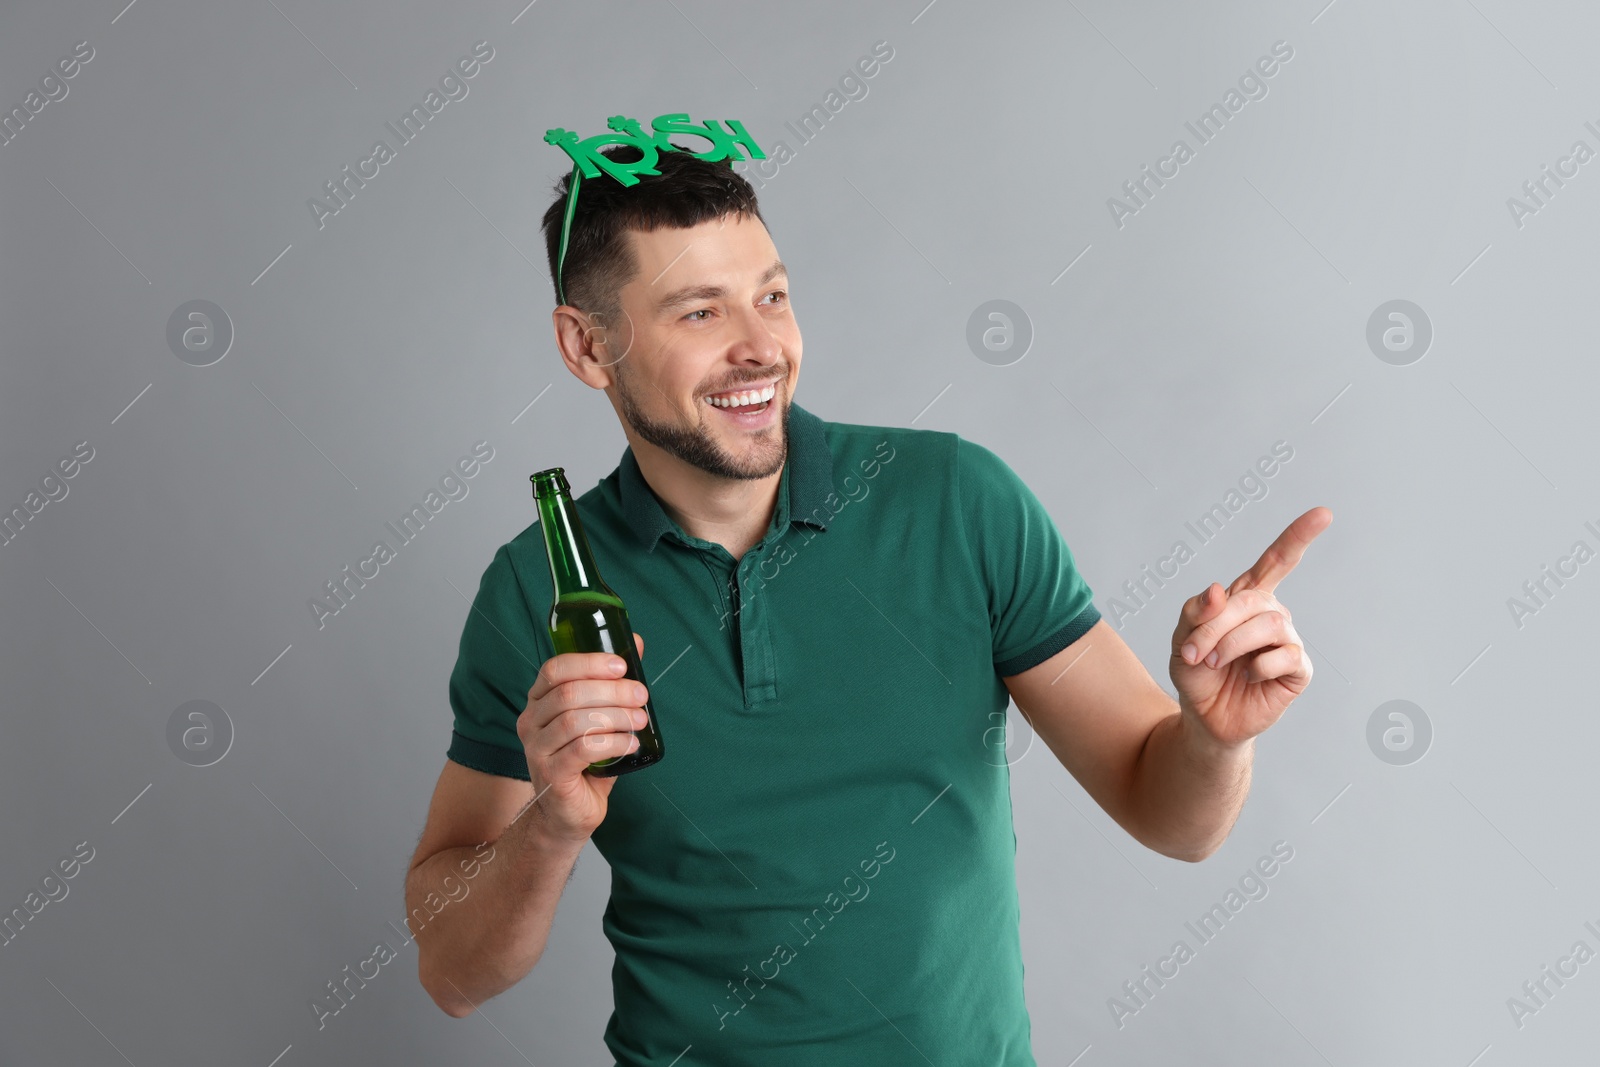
<point>781,294</point>
<point>690,316</point>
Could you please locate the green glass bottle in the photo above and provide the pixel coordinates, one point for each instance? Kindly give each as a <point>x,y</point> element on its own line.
<point>585,615</point>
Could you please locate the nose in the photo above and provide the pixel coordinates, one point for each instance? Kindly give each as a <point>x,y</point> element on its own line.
<point>753,341</point>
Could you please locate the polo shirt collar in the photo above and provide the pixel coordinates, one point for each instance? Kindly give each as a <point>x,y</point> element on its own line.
<point>807,480</point>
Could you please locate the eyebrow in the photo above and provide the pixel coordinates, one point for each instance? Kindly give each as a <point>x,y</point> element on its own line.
<point>692,293</point>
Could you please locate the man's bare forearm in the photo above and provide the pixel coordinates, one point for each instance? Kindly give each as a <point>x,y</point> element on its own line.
<point>1187,789</point>
<point>483,944</point>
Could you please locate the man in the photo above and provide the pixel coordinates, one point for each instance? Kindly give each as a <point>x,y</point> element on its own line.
<point>822,868</point>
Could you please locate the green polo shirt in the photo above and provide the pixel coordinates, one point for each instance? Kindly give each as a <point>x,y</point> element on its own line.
<point>822,868</point>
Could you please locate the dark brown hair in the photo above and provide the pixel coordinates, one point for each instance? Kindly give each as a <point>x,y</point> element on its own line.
<point>599,262</point>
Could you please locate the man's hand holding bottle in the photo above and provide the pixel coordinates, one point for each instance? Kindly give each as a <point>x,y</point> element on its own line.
<point>580,710</point>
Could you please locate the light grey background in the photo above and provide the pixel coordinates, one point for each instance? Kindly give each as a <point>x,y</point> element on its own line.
<point>1228,314</point>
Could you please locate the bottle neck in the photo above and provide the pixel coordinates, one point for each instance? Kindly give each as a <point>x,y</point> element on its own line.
<point>572,567</point>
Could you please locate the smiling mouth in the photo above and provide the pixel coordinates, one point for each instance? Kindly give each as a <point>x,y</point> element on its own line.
<point>744,401</point>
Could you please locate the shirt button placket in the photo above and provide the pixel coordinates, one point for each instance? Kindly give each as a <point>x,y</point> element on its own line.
<point>755,636</point>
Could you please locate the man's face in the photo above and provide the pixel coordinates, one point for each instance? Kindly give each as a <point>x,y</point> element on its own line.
<point>705,319</point>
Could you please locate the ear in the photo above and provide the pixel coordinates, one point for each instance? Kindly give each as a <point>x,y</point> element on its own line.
<point>590,346</point>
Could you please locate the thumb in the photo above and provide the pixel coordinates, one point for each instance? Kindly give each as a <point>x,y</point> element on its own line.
<point>639,641</point>
<point>1210,604</point>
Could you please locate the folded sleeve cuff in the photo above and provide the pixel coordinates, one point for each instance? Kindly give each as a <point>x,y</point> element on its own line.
<point>1063,637</point>
<point>490,759</point>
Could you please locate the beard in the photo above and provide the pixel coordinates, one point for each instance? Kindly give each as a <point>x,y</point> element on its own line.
<point>696,446</point>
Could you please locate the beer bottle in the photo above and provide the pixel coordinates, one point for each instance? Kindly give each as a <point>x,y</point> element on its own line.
<point>585,615</point>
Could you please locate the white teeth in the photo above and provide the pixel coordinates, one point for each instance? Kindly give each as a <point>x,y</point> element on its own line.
<point>738,400</point>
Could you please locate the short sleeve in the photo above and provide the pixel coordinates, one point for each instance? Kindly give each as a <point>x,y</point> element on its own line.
<point>1038,602</point>
<point>501,650</point>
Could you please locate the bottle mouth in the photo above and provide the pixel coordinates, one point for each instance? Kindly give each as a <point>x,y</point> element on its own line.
<point>553,480</point>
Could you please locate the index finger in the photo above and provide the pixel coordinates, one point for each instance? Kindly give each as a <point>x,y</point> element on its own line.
<point>1283,554</point>
<point>571,666</point>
